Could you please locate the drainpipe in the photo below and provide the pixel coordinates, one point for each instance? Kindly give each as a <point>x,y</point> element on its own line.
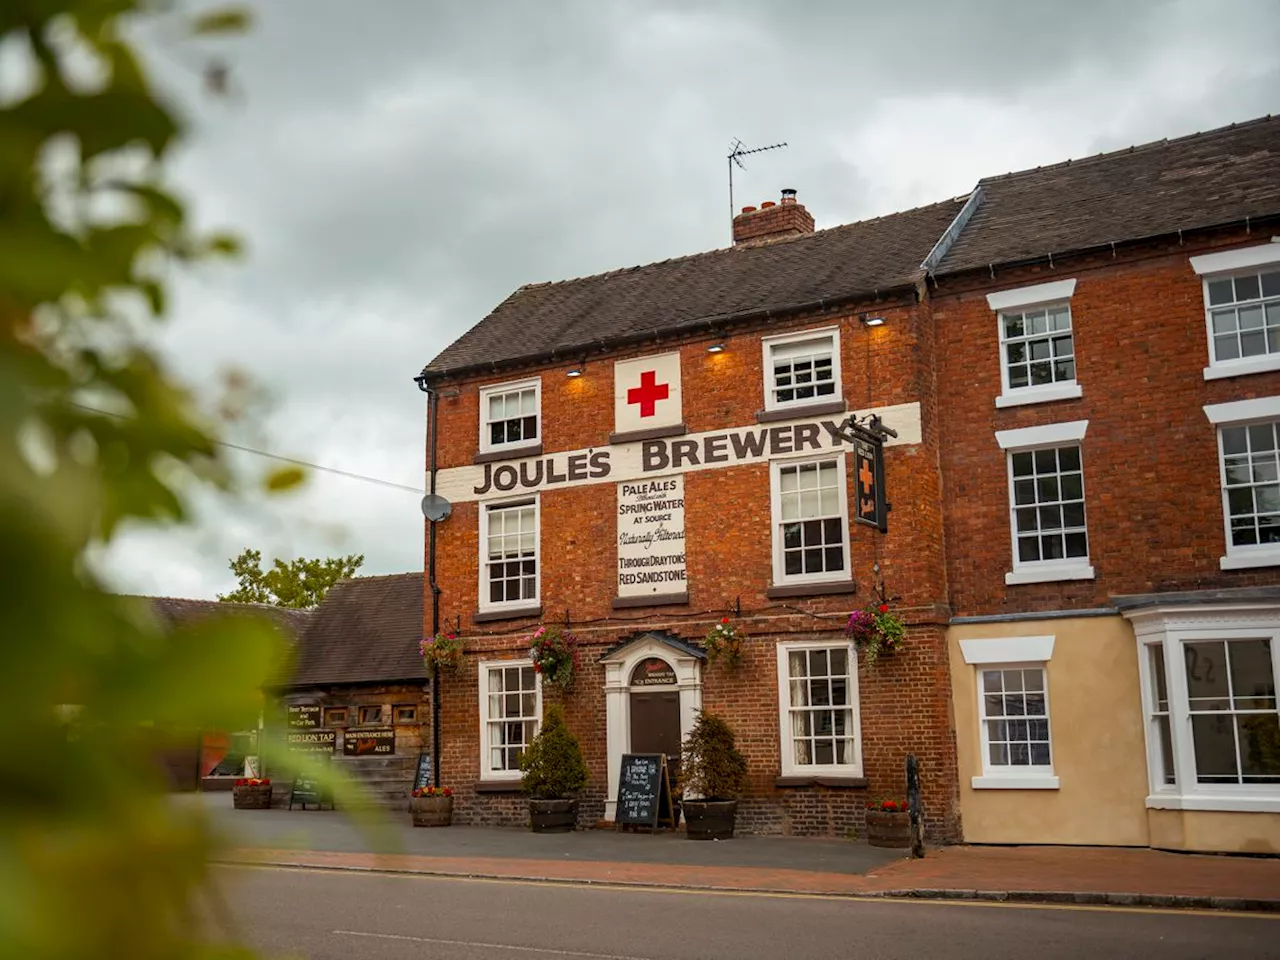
<point>433,406</point>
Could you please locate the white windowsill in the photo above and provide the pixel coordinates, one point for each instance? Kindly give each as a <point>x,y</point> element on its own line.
<point>1040,781</point>
<point>1247,561</point>
<point>1226,804</point>
<point>1045,394</point>
<point>1238,368</point>
<point>1082,571</point>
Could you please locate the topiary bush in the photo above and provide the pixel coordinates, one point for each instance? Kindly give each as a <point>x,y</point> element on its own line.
<point>552,766</point>
<point>713,767</point>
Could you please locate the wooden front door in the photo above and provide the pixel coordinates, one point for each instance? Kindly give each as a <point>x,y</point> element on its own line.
<point>655,726</point>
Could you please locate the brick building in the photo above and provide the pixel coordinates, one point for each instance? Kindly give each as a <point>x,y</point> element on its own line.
<point>1041,347</point>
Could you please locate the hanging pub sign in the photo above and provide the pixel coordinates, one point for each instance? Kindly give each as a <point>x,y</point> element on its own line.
<point>868,466</point>
<point>368,743</point>
<point>311,741</point>
<point>303,716</point>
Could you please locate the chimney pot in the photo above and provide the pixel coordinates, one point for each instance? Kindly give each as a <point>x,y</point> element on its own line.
<point>767,204</point>
<point>788,196</point>
<point>748,209</point>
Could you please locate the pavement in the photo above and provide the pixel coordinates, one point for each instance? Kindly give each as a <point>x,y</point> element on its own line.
<point>1116,876</point>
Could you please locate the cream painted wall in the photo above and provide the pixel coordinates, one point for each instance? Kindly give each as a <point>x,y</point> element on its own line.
<point>1095,728</point>
<point>1214,832</point>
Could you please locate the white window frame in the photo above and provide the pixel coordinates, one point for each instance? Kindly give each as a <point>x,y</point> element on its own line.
<point>487,773</point>
<point>1026,440</point>
<point>786,744</point>
<point>768,343</point>
<point>1220,266</point>
<point>1173,627</point>
<point>485,603</point>
<point>1239,414</point>
<point>486,445</point>
<point>775,518</point>
<point>1019,300</point>
<point>1010,653</point>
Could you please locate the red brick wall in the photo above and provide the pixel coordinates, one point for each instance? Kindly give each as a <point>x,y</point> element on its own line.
<point>1152,495</point>
<point>904,701</point>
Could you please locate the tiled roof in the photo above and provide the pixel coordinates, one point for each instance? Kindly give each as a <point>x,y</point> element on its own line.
<point>842,262</point>
<point>1218,177</point>
<point>367,630</point>
<point>174,611</point>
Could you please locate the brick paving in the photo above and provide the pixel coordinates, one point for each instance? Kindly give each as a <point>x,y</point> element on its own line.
<point>1136,876</point>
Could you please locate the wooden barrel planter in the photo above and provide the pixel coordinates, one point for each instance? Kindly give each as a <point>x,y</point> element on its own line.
<point>886,829</point>
<point>553,816</point>
<point>710,819</point>
<point>431,811</point>
<point>251,796</point>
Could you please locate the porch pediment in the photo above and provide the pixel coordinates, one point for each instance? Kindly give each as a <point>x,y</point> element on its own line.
<point>654,639</point>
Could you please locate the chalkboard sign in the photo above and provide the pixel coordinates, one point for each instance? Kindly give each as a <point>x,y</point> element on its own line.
<point>644,791</point>
<point>308,791</point>
<point>422,779</point>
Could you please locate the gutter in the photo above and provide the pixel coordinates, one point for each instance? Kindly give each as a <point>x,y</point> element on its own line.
<point>700,325</point>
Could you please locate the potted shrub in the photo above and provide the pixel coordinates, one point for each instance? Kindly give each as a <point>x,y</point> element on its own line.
<point>431,806</point>
<point>251,793</point>
<point>888,823</point>
<point>553,771</point>
<point>713,771</point>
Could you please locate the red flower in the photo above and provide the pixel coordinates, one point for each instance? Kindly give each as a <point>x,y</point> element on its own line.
<point>537,668</point>
<point>884,608</point>
<point>724,619</point>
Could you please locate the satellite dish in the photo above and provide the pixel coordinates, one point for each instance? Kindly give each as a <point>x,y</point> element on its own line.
<point>436,507</point>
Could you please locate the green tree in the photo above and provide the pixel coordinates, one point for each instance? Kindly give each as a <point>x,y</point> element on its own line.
<point>298,583</point>
<point>96,861</point>
<point>552,765</point>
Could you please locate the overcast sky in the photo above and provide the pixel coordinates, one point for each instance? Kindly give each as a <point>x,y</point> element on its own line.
<point>398,167</point>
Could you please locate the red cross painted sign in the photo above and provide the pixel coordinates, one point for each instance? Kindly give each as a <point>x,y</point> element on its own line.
<point>647,393</point>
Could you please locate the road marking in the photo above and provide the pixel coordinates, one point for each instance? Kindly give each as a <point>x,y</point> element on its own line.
<point>491,946</point>
<point>766,894</point>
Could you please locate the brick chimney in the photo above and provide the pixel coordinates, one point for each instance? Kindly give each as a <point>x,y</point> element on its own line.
<point>772,221</point>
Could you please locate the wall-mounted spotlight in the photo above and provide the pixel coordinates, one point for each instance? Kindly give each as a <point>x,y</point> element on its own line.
<point>716,348</point>
<point>873,321</point>
<point>574,371</point>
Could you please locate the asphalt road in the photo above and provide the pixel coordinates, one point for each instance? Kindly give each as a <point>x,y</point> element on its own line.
<point>353,916</point>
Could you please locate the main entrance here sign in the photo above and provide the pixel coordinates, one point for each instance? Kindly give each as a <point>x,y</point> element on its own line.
<point>366,743</point>
<point>651,537</point>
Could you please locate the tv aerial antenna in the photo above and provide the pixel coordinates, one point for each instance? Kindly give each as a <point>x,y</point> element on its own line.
<point>736,153</point>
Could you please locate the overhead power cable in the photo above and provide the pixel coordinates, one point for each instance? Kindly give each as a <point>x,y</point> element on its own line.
<point>278,457</point>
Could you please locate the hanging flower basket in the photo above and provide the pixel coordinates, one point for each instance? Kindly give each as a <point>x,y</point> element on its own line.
<point>443,652</point>
<point>876,631</point>
<point>724,644</point>
<point>554,652</point>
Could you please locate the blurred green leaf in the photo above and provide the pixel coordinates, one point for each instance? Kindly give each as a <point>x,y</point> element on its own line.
<point>225,20</point>
<point>284,478</point>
